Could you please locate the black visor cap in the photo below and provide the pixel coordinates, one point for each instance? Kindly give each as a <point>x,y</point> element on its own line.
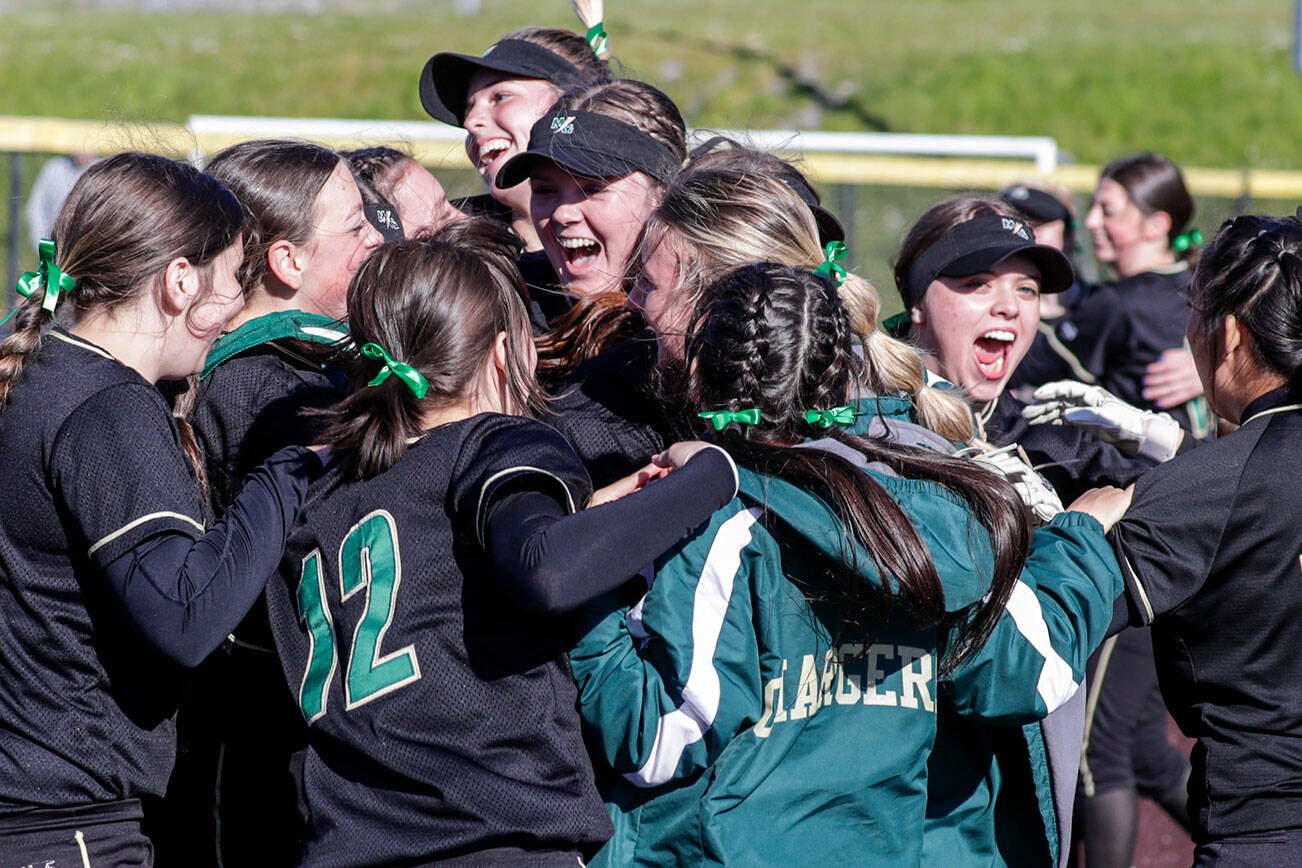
<point>979,245</point>
<point>1036,205</point>
<point>590,145</point>
<point>446,77</point>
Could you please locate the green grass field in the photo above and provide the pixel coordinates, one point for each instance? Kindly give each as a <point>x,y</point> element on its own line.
<point>1208,83</point>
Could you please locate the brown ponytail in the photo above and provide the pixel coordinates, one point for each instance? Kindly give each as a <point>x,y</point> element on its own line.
<point>436,303</point>
<point>125,219</point>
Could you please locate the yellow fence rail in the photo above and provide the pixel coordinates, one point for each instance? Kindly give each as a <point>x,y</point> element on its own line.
<point>57,136</point>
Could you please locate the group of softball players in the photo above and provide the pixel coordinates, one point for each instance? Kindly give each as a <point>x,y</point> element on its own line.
<point>600,519</point>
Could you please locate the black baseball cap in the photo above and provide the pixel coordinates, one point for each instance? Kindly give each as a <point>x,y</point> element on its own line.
<point>978,245</point>
<point>446,77</point>
<point>590,145</point>
<point>1036,204</point>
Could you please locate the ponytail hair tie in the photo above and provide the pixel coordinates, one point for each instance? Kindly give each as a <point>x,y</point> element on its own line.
<point>411,378</point>
<point>1187,239</point>
<point>48,276</point>
<point>721,419</point>
<point>597,38</point>
<point>831,270</point>
<point>843,415</point>
<point>590,12</point>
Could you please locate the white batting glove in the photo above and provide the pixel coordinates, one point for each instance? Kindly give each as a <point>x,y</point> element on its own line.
<point>1155,436</point>
<point>1041,501</point>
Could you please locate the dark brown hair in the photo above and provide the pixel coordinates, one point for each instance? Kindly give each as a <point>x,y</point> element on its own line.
<point>1154,184</point>
<point>593,324</point>
<point>125,219</point>
<point>278,180</point>
<point>436,303</point>
<point>380,167</point>
<point>776,338</point>
<point>1252,270</point>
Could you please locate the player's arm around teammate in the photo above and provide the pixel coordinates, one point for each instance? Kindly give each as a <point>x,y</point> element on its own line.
<point>108,576</point>
<point>441,715</point>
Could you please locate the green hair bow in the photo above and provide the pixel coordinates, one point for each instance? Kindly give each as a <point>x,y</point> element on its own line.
<point>47,275</point>
<point>843,415</point>
<point>1185,240</point>
<point>411,378</point>
<point>597,38</point>
<point>831,269</point>
<point>721,419</point>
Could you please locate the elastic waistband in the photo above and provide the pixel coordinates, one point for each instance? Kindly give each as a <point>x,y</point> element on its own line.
<point>66,818</point>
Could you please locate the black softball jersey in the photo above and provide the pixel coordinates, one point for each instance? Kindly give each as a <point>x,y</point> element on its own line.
<point>1124,327</point>
<point>108,579</point>
<point>418,623</point>
<point>1211,550</point>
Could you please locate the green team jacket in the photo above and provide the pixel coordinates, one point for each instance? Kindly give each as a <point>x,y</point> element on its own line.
<point>744,725</point>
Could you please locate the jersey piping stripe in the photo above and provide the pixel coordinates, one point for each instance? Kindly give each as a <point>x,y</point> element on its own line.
<point>1139,586</point>
<point>76,343</point>
<point>328,334</point>
<point>523,468</point>
<point>1272,410</point>
<point>1061,350</point>
<point>688,723</point>
<point>1057,683</point>
<point>1091,706</point>
<point>153,516</point>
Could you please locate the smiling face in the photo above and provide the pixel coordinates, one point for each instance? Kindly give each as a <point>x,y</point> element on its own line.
<point>500,111</point>
<point>589,227</point>
<point>341,240</point>
<point>420,199</point>
<point>979,327</point>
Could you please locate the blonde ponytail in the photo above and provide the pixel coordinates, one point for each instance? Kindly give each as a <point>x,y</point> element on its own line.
<point>891,365</point>
<point>591,12</point>
<point>895,366</point>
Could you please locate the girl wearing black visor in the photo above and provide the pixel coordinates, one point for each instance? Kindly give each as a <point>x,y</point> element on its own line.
<point>497,98</point>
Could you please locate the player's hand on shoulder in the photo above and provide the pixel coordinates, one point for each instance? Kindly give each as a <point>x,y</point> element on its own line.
<point>1106,504</point>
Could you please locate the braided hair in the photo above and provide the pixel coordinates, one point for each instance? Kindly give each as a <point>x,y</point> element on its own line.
<point>1252,270</point>
<point>777,338</point>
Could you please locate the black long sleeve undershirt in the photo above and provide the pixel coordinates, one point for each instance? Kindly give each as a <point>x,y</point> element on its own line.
<point>552,562</point>
<point>186,594</point>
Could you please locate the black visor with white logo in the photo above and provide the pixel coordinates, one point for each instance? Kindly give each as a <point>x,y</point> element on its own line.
<point>590,145</point>
<point>446,77</point>
<point>384,217</point>
<point>979,245</point>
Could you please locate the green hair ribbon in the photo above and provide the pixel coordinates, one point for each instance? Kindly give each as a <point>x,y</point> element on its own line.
<point>47,275</point>
<point>831,269</point>
<point>597,37</point>
<point>843,415</point>
<point>1185,240</point>
<point>411,378</point>
<point>721,419</point>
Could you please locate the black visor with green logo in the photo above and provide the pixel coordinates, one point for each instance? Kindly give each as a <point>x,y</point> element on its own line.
<point>590,145</point>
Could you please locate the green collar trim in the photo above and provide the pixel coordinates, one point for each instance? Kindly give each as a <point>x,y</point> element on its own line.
<point>297,324</point>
